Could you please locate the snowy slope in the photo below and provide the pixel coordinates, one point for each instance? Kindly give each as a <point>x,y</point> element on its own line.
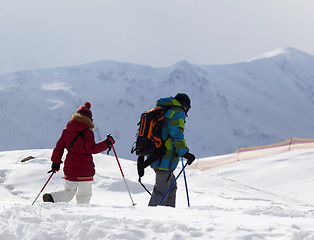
<point>264,100</point>
<point>265,198</point>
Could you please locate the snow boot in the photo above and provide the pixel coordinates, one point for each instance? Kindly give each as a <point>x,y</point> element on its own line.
<point>47,197</point>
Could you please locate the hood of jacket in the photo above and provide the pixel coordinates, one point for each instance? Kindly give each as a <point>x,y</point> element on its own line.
<point>79,122</point>
<point>168,102</point>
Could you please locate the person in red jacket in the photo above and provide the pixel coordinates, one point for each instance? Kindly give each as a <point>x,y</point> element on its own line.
<point>79,169</point>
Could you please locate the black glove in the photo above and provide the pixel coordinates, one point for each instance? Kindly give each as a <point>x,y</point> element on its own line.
<point>110,141</point>
<point>55,167</point>
<point>190,157</point>
<point>140,166</point>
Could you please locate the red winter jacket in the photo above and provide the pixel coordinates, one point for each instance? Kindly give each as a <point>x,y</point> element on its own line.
<point>78,165</point>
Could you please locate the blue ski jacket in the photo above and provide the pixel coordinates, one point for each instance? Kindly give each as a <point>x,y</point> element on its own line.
<point>172,134</point>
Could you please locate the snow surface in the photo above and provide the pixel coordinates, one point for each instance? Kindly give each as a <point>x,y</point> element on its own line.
<point>266,198</point>
<point>264,101</point>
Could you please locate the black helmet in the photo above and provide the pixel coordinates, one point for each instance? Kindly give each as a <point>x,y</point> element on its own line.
<point>183,99</point>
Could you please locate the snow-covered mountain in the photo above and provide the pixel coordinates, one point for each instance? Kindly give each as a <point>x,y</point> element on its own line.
<point>265,100</point>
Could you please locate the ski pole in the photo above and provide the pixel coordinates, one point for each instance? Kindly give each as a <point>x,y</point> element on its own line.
<point>139,180</point>
<point>186,185</point>
<point>43,187</point>
<point>172,184</point>
<point>127,187</point>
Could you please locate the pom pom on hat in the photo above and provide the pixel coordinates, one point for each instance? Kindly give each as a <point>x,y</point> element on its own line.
<point>85,110</point>
<point>88,105</point>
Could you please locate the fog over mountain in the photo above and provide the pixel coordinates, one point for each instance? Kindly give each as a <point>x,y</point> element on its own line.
<point>265,100</point>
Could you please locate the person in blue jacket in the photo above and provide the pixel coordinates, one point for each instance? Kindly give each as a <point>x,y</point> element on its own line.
<point>172,134</point>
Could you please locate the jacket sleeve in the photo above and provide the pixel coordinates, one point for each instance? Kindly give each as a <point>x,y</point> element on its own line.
<point>59,149</point>
<point>177,124</point>
<point>92,147</point>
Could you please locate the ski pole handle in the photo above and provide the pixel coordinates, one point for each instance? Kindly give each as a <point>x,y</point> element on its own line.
<point>110,138</point>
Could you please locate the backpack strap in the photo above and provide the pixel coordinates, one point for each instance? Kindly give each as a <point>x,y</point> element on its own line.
<point>81,133</point>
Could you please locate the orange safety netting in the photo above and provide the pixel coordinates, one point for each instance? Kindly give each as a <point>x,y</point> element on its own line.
<point>252,153</point>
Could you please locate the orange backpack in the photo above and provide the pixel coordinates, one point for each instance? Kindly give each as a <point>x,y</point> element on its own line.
<point>149,133</point>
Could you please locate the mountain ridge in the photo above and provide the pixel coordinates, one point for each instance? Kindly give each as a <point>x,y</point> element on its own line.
<point>235,105</point>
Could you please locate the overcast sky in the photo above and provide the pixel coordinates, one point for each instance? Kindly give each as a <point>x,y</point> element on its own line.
<point>48,33</point>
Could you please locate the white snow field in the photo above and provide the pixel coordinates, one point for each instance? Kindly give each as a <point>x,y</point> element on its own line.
<point>265,198</point>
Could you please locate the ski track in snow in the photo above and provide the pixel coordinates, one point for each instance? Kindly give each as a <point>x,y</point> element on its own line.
<point>222,207</point>
<point>57,103</point>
